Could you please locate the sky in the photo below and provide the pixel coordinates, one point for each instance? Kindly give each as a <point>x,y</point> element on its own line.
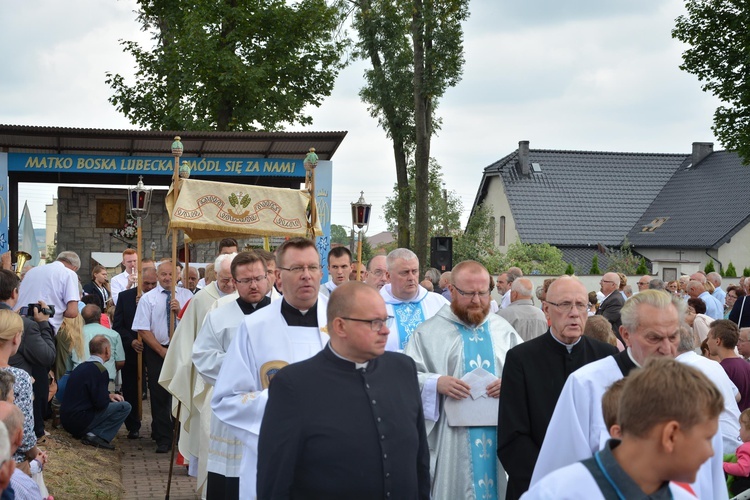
<point>573,75</point>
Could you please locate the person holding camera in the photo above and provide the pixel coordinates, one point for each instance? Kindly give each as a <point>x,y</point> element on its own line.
<point>36,353</point>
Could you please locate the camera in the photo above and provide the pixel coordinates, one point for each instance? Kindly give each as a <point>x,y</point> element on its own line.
<point>49,310</point>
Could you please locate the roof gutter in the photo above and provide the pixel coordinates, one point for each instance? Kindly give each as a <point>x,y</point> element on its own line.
<point>721,266</point>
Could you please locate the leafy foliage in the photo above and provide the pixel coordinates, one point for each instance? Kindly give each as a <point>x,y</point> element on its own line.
<point>229,65</point>
<point>476,243</point>
<point>535,258</point>
<point>709,267</point>
<point>622,260</point>
<point>746,272</point>
<point>570,270</point>
<point>595,265</point>
<point>716,31</point>
<point>730,272</point>
<point>642,268</point>
<point>339,234</point>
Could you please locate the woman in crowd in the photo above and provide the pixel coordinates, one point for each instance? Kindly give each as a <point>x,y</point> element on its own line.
<point>69,338</point>
<point>99,285</point>
<point>697,319</point>
<point>733,293</point>
<point>11,330</point>
<point>673,287</point>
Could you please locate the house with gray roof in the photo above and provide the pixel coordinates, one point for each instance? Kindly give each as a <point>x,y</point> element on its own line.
<point>674,209</point>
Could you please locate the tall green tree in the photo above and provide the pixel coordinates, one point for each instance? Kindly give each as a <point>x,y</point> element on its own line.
<point>718,54</point>
<point>415,48</point>
<point>535,258</point>
<point>231,64</point>
<point>445,206</point>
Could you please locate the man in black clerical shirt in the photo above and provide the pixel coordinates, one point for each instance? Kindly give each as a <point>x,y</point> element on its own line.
<point>348,422</point>
<point>534,375</point>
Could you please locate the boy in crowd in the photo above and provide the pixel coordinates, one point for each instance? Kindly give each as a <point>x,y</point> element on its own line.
<point>665,437</point>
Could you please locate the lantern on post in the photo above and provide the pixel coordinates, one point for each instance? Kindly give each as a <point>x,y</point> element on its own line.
<point>361,219</point>
<point>139,204</point>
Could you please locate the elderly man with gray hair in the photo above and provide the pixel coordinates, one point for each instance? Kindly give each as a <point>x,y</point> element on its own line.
<point>527,319</point>
<point>405,299</point>
<point>56,284</point>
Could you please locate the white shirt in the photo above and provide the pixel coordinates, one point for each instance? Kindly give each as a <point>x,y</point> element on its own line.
<point>151,313</point>
<point>119,284</point>
<point>53,283</point>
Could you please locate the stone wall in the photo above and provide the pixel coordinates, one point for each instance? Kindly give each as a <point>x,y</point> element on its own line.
<point>77,231</point>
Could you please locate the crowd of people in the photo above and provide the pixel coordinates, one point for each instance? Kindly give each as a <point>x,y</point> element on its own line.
<point>281,385</point>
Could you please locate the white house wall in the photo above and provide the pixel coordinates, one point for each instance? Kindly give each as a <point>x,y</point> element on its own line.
<point>500,207</point>
<point>737,250</point>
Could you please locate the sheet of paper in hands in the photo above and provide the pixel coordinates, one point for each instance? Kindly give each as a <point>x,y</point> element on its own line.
<point>478,409</point>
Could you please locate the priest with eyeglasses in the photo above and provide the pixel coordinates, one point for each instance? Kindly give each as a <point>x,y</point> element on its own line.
<point>460,353</point>
<point>284,332</point>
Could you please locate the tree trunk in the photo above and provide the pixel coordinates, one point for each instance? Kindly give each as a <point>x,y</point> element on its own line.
<point>404,198</point>
<point>422,152</point>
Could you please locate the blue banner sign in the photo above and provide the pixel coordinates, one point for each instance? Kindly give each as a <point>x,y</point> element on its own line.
<point>153,165</point>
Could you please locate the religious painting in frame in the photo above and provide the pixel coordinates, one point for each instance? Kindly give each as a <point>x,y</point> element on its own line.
<point>110,213</point>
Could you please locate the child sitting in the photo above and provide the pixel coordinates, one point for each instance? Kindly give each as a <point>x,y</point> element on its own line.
<point>741,469</point>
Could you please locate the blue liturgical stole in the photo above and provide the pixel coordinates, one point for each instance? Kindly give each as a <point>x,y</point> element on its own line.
<point>478,353</point>
<point>409,316</point>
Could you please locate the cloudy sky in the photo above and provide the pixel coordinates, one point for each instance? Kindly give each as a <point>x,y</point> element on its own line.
<point>576,74</point>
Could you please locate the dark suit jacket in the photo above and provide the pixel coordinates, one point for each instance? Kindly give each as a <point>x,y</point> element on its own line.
<point>332,431</point>
<point>89,289</point>
<point>744,320</point>
<point>533,377</point>
<point>37,347</point>
<point>123,320</point>
<point>610,309</point>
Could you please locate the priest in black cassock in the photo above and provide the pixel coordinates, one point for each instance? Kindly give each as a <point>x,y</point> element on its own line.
<point>534,375</point>
<point>348,422</point>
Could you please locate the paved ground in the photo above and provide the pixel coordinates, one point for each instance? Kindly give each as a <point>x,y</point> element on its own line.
<point>145,473</point>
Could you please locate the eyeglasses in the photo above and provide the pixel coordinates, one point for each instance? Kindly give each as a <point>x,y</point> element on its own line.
<point>642,284</point>
<point>481,295</point>
<point>377,272</point>
<point>299,269</point>
<point>568,306</point>
<point>375,324</point>
<point>258,280</point>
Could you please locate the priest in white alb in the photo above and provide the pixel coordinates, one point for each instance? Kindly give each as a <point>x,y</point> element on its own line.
<point>284,332</point>
<point>405,299</point>
<point>220,451</point>
<point>463,339</point>
<point>178,376</point>
<point>650,327</point>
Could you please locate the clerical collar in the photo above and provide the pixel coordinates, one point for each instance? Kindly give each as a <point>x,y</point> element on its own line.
<point>630,355</point>
<point>357,366</point>
<point>569,347</point>
<point>295,317</point>
<point>249,307</point>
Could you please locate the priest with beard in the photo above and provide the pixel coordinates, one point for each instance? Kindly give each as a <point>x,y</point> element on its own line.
<point>460,338</point>
<point>220,451</point>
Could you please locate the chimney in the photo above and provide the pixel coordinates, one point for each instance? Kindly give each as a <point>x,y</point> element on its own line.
<point>524,164</point>
<point>700,151</point>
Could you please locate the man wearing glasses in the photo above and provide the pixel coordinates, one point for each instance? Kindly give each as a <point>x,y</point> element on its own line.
<point>377,273</point>
<point>613,301</point>
<point>650,328</point>
<point>405,299</point>
<point>222,455</point>
<point>462,338</point>
<point>533,376</point>
<point>348,422</point>
<point>286,331</point>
